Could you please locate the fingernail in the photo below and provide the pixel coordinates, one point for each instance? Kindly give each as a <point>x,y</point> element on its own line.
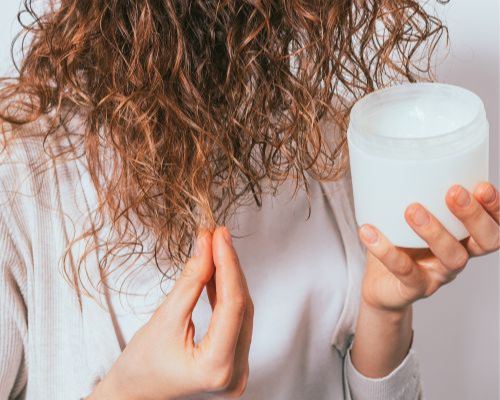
<point>489,195</point>
<point>227,236</point>
<point>199,245</point>
<point>369,234</point>
<point>419,216</point>
<point>462,197</point>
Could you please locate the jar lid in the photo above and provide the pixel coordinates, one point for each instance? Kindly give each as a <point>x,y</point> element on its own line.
<point>417,120</point>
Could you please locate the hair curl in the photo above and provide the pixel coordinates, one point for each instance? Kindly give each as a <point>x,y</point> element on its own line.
<point>201,100</point>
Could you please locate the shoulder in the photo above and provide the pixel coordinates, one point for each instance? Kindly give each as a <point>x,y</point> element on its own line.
<point>21,160</point>
<point>29,174</point>
<point>21,146</point>
<point>29,155</point>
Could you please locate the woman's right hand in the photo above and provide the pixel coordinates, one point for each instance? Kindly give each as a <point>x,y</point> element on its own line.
<point>162,361</point>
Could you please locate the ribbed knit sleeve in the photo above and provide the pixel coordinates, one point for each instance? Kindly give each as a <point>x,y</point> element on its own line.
<point>403,383</point>
<point>13,326</point>
<point>14,251</point>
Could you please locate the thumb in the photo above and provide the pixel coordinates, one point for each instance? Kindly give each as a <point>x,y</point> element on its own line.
<point>195,275</point>
<point>223,251</point>
<point>228,274</point>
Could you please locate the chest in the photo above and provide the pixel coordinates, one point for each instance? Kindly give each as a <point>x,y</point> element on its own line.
<point>297,275</point>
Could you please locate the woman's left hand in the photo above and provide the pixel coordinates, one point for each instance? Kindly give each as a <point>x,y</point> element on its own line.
<point>395,277</point>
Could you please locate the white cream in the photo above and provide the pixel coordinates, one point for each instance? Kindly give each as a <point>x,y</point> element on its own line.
<point>411,143</point>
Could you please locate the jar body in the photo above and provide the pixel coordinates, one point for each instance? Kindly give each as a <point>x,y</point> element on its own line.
<point>383,187</point>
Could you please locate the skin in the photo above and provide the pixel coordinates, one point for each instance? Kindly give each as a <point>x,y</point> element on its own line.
<point>163,362</point>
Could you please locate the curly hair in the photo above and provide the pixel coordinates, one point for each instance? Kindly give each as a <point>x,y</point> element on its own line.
<point>201,101</point>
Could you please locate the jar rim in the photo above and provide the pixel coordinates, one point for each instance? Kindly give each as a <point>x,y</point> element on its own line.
<point>468,131</point>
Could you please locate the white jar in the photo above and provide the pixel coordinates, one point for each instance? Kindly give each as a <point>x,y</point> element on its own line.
<point>411,143</point>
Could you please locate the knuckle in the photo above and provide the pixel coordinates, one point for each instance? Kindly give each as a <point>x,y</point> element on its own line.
<point>397,262</point>
<point>388,255</point>
<point>238,388</point>
<point>489,247</point>
<point>431,288</point>
<point>435,233</point>
<point>489,244</point>
<point>238,304</point>
<point>220,377</point>
<point>445,276</point>
<point>495,241</point>
<point>495,206</point>
<point>461,260</point>
<point>250,308</point>
<point>189,272</point>
<point>405,267</point>
<point>474,212</point>
<point>193,273</point>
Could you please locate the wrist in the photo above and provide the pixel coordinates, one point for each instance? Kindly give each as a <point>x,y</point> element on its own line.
<point>390,315</point>
<point>382,340</point>
<point>110,388</point>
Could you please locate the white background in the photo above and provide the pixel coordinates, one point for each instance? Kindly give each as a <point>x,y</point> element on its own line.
<point>457,330</point>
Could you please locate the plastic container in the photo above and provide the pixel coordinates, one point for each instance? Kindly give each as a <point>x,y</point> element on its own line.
<point>411,143</point>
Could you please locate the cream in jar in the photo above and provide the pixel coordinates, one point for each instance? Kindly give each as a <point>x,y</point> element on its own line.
<point>411,143</point>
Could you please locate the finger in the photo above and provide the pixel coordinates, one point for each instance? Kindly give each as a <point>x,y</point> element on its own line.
<point>443,244</point>
<point>472,247</point>
<point>194,277</point>
<point>487,195</point>
<point>242,369</point>
<point>480,224</point>
<point>247,328</point>
<point>212,295</point>
<point>222,335</point>
<point>394,259</point>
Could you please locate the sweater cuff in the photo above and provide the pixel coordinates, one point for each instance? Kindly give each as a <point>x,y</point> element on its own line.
<point>403,383</point>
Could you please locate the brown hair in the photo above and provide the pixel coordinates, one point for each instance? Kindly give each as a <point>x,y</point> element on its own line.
<point>201,100</point>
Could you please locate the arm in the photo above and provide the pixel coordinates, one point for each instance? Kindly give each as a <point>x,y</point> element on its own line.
<point>11,348</point>
<point>380,364</point>
<point>382,341</point>
<point>382,349</point>
<point>13,327</point>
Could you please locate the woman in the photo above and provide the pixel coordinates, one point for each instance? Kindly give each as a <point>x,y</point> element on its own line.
<point>134,127</point>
